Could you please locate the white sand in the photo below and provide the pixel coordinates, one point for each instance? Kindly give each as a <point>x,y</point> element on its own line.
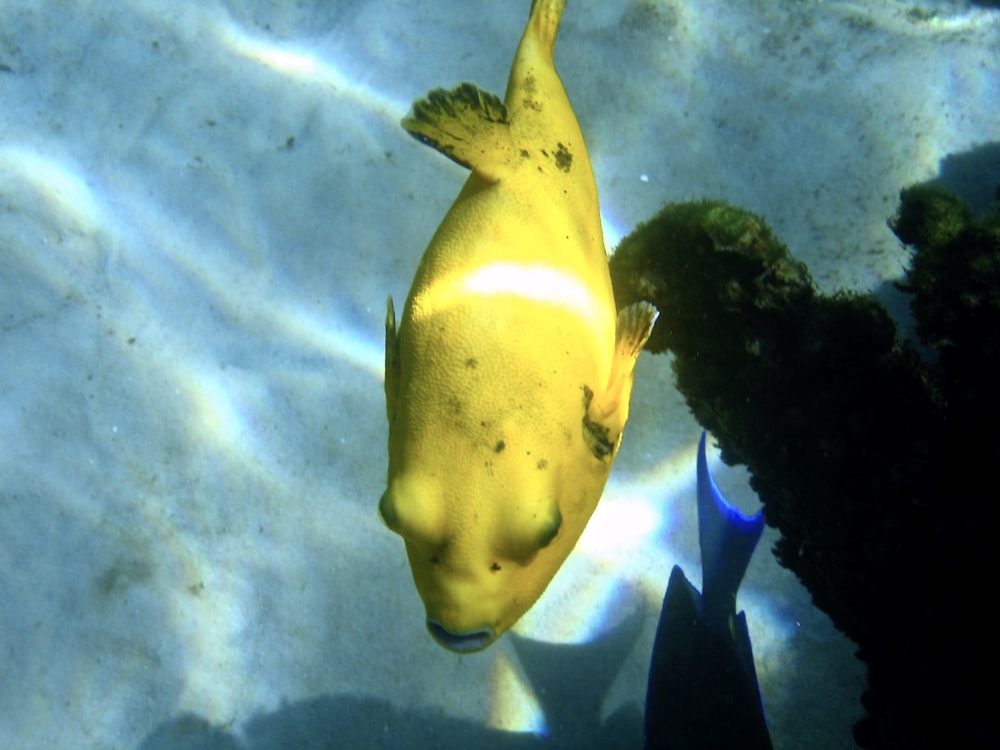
<point>203,206</point>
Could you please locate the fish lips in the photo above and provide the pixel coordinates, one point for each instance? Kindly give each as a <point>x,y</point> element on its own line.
<point>463,643</point>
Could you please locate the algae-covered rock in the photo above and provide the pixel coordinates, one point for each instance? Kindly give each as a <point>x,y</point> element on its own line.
<point>955,281</point>
<point>730,262</point>
<point>862,456</point>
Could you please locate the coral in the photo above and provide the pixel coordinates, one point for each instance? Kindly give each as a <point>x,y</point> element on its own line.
<point>864,458</point>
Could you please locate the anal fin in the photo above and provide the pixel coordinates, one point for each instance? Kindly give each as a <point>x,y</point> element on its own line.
<point>468,125</point>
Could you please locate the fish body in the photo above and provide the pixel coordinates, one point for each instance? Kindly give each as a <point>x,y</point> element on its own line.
<point>508,377</point>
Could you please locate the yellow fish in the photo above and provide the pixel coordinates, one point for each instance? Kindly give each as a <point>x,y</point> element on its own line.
<point>508,379</point>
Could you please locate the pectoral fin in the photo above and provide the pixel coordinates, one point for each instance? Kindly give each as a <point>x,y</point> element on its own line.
<point>468,125</point>
<point>607,413</point>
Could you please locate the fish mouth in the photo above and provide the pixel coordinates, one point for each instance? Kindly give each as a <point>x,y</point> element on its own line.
<point>463,643</point>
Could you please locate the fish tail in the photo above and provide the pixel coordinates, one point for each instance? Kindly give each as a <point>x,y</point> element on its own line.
<point>728,539</point>
<point>544,21</point>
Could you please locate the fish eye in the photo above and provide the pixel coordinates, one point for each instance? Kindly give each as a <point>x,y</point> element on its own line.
<point>551,530</point>
<point>530,529</point>
<point>387,511</point>
<point>413,508</point>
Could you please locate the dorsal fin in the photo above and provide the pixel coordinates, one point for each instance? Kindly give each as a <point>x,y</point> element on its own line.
<point>468,125</point>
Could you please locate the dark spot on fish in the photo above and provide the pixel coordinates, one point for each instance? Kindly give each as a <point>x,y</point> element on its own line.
<point>564,159</point>
<point>598,438</point>
<point>495,567</point>
<point>596,435</point>
<point>498,448</point>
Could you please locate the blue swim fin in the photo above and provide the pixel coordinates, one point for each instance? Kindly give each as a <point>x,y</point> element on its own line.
<point>702,690</point>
